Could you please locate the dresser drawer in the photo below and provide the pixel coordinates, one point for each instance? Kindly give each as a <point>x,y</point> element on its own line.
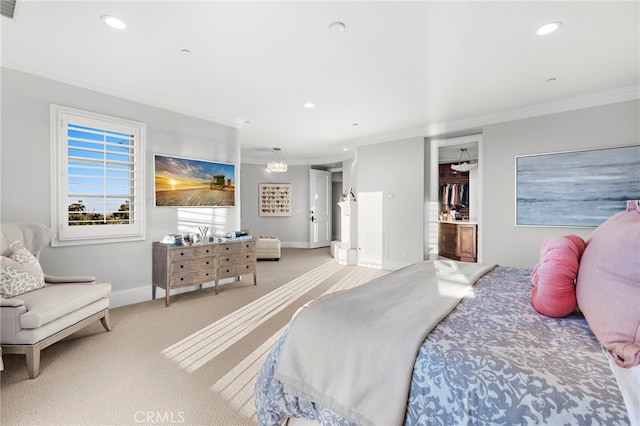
<point>236,270</point>
<point>227,271</point>
<point>225,249</point>
<point>191,278</point>
<point>236,259</point>
<point>249,257</point>
<point>246,269</point>
<point>192,252</point>
<point>247,246</point>
<point>193,265</point>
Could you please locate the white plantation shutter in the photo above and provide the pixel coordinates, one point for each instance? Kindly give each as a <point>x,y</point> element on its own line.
<point>98,178</point>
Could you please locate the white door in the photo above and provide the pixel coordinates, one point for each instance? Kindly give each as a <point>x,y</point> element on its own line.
<point>319,208</point>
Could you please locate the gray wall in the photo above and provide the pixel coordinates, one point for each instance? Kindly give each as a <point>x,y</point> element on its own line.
<point>293,231</point>
<point>400,167</point>
<point>25,176</point>
<point>597,127</point>
<point>397,169</point>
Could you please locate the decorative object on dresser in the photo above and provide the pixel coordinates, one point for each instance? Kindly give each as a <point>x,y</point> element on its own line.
<point>184,266</point>
<point>458,240</point>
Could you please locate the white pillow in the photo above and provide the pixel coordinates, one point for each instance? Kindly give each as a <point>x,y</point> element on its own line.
<point>21,272</point>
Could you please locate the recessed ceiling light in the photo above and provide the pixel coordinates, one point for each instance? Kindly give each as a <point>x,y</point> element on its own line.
<point>114,22</point>
<point>549,28</point>
<point>337,27</point>
<point>309,105</point>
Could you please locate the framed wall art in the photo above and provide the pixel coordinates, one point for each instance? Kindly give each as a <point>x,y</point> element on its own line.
<point>187,182</point>
<point>274,199</point>
<point>577,188</point>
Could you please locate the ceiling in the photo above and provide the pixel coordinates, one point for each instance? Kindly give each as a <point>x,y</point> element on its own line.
<point>400,69</point>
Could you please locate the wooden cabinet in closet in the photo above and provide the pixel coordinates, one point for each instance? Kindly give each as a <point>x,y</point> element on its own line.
<point>458,240</point>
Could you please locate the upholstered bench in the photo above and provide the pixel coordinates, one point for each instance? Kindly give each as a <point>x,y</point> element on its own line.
<point>268,247</point>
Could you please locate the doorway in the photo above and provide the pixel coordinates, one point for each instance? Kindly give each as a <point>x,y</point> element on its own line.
<point>448,151</point>
<point>320,208</point>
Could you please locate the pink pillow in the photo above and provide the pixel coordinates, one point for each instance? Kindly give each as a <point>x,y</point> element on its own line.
<point>553,278</point>
<point>608,285</point>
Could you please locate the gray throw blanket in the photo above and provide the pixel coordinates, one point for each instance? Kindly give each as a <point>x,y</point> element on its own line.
<point>354,352</point>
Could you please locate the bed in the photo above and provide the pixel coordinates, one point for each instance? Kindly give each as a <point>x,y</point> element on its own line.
<point>493,359</point>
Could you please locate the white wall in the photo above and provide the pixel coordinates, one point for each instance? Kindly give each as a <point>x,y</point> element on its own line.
<point>293,231</point>
<point>397,170</point>
<point>597,127</point>
<point>25,175</point>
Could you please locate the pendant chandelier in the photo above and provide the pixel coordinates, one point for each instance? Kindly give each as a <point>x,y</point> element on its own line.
<point>466,166</point>
<point>277,164</point>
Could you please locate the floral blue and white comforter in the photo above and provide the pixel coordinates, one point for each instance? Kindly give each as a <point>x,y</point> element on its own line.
<point>493,361</point>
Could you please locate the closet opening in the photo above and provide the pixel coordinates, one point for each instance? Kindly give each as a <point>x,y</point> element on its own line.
<point>455,202</point>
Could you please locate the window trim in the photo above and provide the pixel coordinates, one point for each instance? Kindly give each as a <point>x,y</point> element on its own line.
<point>66,235</point>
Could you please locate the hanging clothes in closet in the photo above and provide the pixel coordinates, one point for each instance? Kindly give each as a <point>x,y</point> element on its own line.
<point>454,195</point>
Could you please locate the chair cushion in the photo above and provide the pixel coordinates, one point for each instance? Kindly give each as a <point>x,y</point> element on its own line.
<point>57,300</point>
<point>21,272</point>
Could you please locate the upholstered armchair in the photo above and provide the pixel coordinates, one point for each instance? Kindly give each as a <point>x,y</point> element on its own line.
<point>36,309</point>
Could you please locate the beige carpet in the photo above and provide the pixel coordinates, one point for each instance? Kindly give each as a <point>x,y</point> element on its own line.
<point>193,363</point>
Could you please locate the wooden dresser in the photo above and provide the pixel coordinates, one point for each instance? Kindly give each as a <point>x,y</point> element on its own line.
<point>458,240</point>
<point>183,266</point>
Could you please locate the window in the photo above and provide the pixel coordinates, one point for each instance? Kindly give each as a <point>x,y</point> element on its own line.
<point>97,178</point>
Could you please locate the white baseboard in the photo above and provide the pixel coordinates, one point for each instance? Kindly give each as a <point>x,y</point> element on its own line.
<point>294,244</point>
<point>393,265</point>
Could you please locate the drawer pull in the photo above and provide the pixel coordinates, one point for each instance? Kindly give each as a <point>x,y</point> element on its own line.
<point>227,259</point>
<point>181,279</point>
<point>181,266</point>
<point>207,262</point>
<point>227,270</point>
<point>181,253</point>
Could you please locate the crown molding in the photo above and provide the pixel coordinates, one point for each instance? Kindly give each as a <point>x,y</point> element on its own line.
<point>169,104</point>
<point>563,105</point>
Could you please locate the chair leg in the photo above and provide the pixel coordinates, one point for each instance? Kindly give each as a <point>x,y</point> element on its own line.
<point>33,361</point>
<point>105,321</point>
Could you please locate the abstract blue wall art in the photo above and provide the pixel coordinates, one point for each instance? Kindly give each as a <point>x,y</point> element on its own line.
<point>578,188</point>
